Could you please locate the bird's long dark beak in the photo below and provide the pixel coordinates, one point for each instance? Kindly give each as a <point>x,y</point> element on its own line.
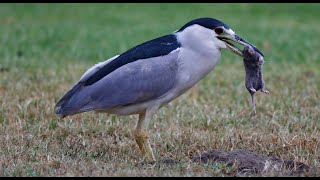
<point>239,40</point>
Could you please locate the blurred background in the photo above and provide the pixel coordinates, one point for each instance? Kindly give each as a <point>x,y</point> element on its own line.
<point>41,34</point>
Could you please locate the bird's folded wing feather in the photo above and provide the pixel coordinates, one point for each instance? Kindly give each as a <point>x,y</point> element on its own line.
<point>141,73</point>
<point>136,82</point>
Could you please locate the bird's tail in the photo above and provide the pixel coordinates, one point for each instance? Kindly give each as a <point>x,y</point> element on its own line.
<point>71,102</point>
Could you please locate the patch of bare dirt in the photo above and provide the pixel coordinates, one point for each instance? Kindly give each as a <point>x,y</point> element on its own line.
<point>249,162</point>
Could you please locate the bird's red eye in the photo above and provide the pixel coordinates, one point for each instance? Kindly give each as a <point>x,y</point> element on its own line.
<point>218,30</point>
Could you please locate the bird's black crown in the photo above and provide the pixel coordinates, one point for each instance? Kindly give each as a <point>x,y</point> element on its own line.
<point>206,22</point>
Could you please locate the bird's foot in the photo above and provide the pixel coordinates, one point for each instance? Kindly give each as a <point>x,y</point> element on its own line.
<point>141,138</point>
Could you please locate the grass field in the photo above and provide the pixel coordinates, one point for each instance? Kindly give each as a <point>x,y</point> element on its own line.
<point>45,48</point>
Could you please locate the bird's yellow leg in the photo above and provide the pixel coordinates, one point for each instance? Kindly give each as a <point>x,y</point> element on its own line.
<point>141,135</point>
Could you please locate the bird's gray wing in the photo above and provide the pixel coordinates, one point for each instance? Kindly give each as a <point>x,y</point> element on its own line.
<point>81,95</point>
<point>135,82</point>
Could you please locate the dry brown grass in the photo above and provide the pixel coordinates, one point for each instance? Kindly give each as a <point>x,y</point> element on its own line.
<point>216,115</point>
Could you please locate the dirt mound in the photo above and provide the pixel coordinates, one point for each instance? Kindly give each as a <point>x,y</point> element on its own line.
<point>249,162</point>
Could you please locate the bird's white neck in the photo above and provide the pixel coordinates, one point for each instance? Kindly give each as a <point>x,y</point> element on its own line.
<point>198,55</point>
<point>201,40</point>
<point>202,47</point>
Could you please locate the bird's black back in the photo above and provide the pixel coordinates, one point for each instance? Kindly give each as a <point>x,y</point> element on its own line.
<point>157,47</point>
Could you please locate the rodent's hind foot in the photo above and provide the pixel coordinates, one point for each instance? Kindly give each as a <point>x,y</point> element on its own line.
<point>253,90</point>
<point>265,91</point>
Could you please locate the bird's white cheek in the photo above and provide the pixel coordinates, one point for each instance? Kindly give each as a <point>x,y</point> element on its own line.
<point>222,45</point>
<point>219,44</point>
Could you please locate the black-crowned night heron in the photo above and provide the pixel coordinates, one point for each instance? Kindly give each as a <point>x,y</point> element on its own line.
<point>150,75</point>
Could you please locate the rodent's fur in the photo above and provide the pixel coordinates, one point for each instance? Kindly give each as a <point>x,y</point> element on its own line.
<point>254,82</point>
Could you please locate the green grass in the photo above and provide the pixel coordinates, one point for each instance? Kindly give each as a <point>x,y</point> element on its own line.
<point>45,48</point>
